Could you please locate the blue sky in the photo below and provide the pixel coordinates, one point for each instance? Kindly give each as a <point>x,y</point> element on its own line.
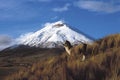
<point>97,18</point>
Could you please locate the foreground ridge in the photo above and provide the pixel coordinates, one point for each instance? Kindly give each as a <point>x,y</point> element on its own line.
<point>102,63</point>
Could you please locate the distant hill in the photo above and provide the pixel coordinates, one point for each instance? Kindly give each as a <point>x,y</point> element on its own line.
<point>102,62</point>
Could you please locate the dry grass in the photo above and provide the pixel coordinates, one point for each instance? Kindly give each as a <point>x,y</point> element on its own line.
<point>102,63</point>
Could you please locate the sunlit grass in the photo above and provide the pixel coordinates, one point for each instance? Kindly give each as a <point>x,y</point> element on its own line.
<point>102,63</point>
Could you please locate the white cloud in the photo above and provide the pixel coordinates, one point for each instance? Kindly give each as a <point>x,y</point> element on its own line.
<point>20,9</point>
<point>61,9</point>
<point>98,6</point>
<point>54,18</point>
<point>8,4</point>
<point>22,37</point>
<point>5,41</point>
<point>44,0</point>
<point>40,0</point>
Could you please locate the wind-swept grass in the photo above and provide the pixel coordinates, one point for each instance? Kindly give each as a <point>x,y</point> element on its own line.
<point>102,63</point>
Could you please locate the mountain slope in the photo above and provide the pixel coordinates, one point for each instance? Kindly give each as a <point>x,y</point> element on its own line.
<point>102,63</point>
<point>53,35</point>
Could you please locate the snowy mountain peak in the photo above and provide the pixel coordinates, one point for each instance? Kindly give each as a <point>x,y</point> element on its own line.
<point>57,24</point>
<point>52,35</point>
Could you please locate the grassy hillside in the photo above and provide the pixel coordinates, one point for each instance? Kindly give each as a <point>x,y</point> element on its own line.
<point>102,63</point>
<point>22,57</point>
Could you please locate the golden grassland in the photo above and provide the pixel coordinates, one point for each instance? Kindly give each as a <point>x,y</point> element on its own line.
<point>102,63</point>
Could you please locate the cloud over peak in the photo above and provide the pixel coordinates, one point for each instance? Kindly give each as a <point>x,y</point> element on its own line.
<point>98,6</point>
<point>61,9</point>
<point>40,0</point>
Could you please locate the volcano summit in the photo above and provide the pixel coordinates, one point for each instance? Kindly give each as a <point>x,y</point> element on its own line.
<point>53,35</point>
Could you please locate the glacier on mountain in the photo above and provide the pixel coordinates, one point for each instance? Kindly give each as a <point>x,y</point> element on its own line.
<point>53,35</point>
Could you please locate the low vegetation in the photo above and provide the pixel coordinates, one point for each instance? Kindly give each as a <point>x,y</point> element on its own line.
<point>102,63</point>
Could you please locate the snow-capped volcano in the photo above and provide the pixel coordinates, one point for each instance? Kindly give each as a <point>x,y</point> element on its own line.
<point>52,35</point>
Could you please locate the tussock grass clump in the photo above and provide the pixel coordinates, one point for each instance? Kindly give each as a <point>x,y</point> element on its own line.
<point>102,63</point>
